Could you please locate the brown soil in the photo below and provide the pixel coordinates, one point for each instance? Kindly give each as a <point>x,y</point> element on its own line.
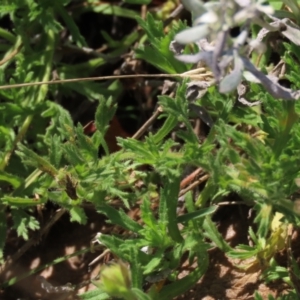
<point>223,280</point>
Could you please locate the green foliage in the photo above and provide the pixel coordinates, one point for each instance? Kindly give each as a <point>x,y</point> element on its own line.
<point>289,296</point>
<point>250,151</point>
<point>23,222</point>
<point>157,52</point>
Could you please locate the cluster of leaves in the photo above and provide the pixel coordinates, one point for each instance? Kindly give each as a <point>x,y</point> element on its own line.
<point>253,152</point>
<point>29,55</point>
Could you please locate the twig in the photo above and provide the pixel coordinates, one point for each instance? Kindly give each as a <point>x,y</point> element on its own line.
<point>190,178</point>
<point>173,15</point>
<point>143,11</point>
<point>193,185</point>
<point>195,71</point>
<point>99,257</point>
<point>231,203</point>
<point>148,123</point>
<point>11,55</point>
<point>183,75</point>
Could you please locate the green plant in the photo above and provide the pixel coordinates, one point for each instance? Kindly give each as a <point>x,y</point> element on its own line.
<point>251,150</point>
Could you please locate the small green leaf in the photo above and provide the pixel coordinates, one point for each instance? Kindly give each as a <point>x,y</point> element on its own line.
<point>140,295</point>
<point>55,151</point>
<point>109,9</point>
<point>179,287</point>
<point>118,217</point>
<point>135,268</point>
<point>263,218</point>
<point>213,234</point>
<point>147,214</point>
<point>20,201</point>
<point>169,194</point>
<point>197,214</point>
<point>157,52</point>
<point>14,180</point>
<point>86,145</point>
<point>153,263</point>
<point>165,129</point>
<point>104,113</point>
<point>77,37</point>
<point>242,253</point>
<point>115,245</point>
<point>31,158</point>
<point>5,8</point>
<point>72,154</point>
<point>78,215</point>
<point>22,221</point>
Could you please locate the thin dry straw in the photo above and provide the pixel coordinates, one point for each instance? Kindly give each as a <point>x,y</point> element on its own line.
<point>183,75</point>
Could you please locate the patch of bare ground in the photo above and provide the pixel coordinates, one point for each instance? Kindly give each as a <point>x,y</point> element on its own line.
<point>225,279</point>
<point>64,238</point>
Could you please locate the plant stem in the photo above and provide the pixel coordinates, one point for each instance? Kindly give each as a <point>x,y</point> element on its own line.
<point>7,35</point>
<point>18,138</point>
